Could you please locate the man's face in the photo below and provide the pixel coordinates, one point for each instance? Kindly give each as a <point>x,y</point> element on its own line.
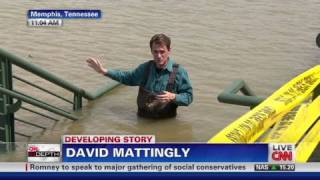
<point>160,55</point>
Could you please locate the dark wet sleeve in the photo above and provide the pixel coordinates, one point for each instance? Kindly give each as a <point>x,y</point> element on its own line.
<point>130,78</point>
<point>184,95</point>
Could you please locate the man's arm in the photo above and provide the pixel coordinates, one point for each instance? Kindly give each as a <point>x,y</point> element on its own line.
<point>130,78</point>
<point>184,95</point>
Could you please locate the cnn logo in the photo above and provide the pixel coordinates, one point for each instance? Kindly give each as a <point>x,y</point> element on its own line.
<point>33,149</point>
<point>281,153</point>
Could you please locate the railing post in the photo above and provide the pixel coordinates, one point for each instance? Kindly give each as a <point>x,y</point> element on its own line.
<point>77,101</point>
<point>6,117</point>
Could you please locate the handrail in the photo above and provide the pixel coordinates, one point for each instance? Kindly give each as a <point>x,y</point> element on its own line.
<point>36,103</point>
<point>99,92</point>
<point>6,107</point>
<point>55,79</point>
<point>229,95</point>
<point>39,71</point>
<point>43,89</point>
<point>34,99</point>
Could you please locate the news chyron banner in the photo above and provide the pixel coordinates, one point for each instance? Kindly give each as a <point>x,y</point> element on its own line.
<point>141,153</point>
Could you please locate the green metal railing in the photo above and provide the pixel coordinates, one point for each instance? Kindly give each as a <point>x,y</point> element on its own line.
<point>230,95</point>
<point>7,95</point>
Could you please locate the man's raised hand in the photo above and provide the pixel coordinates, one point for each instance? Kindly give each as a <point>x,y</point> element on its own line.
<point>96,65</point>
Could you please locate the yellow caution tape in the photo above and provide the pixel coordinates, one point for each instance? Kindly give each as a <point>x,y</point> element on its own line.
<point>292,127</point>
<point>252,125</point>
<point>308,144</point>
<point>281,127</point>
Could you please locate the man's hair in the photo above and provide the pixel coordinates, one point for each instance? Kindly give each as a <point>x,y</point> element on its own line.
<point>161,39</point>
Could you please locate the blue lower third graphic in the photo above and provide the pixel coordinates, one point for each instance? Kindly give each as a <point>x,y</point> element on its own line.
<point>165,152</point>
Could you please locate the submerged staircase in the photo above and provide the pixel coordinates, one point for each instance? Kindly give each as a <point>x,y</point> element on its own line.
<point>12,100</point>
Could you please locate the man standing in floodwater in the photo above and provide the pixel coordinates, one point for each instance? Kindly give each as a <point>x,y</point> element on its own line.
<point>163,84</point>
